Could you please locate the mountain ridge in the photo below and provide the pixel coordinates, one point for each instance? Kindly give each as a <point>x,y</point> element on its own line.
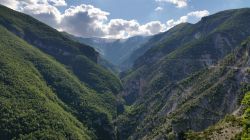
<point>64,50</point>
<point>153,87</point>
<point>79,89</point>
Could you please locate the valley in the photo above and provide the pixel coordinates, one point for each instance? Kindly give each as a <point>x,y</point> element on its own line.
<point>190,82</point>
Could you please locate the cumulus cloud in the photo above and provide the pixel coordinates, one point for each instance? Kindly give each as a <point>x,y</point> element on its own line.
<point>153,27</point>
<point>171,23</point>
<point>89,21</point>
<point>158,8</point>
<point>13,4</point>
<point>44,12</point>
<point>196,14</point>
<point>178,3</point>
<point>121,27</point>
<point>84,20</point>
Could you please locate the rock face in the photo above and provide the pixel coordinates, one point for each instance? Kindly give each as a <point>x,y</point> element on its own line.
<point>191,78</point>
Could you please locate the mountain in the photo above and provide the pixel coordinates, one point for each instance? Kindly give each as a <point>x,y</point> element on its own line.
<point>159,40</point>
<point>182,83</point>
<point>191,82</point>
<point>116,51</point>
<point>30,108</point>
<point>51,86</point>
<point>233,126</point>
<point>81,59</point>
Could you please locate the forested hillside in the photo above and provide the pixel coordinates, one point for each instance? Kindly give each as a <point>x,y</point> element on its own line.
<point>45,76</point>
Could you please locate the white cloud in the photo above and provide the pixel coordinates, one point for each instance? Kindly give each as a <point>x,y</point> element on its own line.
<point>158,9</point>
<point>121,27</point>
<point>48,2</point>
<point>178,3</point>
<point>89,21</point>
<point>171,23</point>
<point>13,4</point>
<point>195,14</point>
<point>153,27</point>
<point>58,2</point>
<point>44,12</point>
<point>199,14</point>
<point>84,20</point>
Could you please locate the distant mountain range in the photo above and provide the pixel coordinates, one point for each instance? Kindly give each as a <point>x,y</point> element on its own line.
<point>116,51</point>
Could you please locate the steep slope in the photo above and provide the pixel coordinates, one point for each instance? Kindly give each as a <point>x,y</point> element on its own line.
<point>205,98</point>
<point>131,90</point>
<point>116,51</point>
<point>81,101</point>
<point>163,42</point>
<point>81,59</point>
<point>167,104</point>
<point>195,102</point>
<point>230,128</point>
<point>29,105</point>
<point>186,53</point>
<point>107,65</point>
<point>235,126</point>
<point>246,116</point>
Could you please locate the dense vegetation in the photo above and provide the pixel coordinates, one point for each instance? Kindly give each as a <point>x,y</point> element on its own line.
<point>29,106</point>
<point>81,59</point>
<point>45,76</point>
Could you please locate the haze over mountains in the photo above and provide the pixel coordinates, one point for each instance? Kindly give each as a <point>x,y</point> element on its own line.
<point>116,51</point>
<point>190,82</point>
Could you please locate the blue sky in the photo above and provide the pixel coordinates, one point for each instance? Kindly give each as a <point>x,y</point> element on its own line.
<point>144,10</point>
<point>119,18</point>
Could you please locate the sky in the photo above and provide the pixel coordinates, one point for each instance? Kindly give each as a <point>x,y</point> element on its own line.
<point>120,18</point>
